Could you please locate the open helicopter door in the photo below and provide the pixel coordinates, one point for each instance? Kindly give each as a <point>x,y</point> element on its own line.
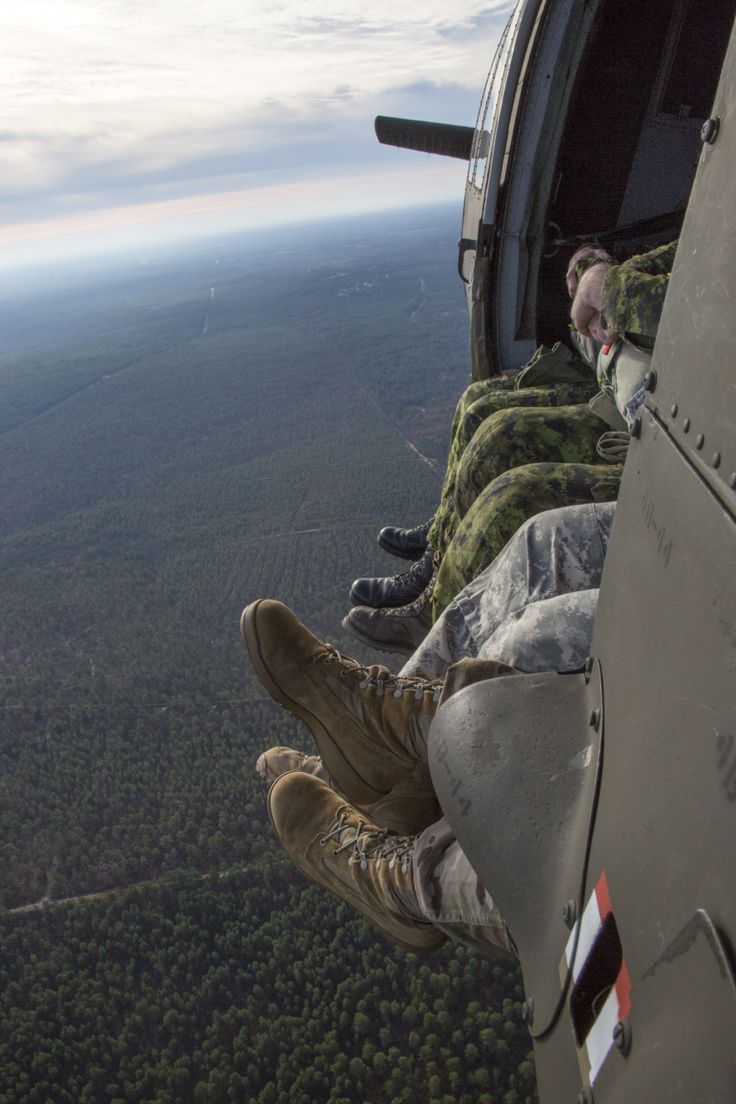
<point>519,125</point>
<point>484,174</point>
<point>599,807</point>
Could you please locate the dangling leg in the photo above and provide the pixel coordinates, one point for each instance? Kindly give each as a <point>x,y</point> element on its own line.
<point>505,505</point>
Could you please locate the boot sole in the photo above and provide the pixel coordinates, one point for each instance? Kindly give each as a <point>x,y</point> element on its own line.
<point>394,649</point>
<point>343,774</point>
<point>431,940</point>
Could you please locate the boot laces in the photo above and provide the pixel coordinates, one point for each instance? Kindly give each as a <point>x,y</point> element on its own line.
<point>417,568</point>
<point>424,527</point>
<point>420,530</point>
<point>411,608</point>
<point>368,844</point>
<point>383,680</point>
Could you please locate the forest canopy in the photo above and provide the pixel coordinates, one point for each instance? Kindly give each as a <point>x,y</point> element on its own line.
<point>178,438</point>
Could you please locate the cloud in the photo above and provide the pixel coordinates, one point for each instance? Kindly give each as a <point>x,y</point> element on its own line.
<point>115,102</point>
<point>148,225</point>
<point>487,21</point>
<point>53,167</point>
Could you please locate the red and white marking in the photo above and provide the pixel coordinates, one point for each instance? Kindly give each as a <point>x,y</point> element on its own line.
<point>618,1003</point>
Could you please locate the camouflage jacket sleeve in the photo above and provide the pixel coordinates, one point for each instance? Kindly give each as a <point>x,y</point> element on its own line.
<point>634,292</point>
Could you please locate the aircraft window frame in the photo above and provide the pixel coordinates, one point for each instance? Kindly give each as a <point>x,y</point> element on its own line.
<point>490,102</point>
<point>673,37</point>
<point>658,107</point>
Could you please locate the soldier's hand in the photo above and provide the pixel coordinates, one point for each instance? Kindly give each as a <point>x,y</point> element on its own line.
<point>585,252</point>
<point>586,306</point>
<point>596,330</point>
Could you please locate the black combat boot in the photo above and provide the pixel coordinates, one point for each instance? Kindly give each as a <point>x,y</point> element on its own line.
<point>394,590</point>
<point>407,544</point>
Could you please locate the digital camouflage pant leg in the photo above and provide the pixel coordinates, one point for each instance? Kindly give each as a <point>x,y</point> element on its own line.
<point>558,552</point>
<point>509,439</point>
<point>477,403</point>
<point>449,893</point>
<point>561,629</point>
<point>503,507</point>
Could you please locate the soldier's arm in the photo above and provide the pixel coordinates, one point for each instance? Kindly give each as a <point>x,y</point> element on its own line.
<point>656,262</point>
<point>633,292</point>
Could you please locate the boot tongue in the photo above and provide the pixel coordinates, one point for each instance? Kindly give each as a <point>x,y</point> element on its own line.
<point>350,830</point>
<point>377,672</point>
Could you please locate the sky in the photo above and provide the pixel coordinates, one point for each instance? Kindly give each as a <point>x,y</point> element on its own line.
<point>136,121</point>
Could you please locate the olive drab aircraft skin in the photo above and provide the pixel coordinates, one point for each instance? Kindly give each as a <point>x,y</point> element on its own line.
<point>599,806</point>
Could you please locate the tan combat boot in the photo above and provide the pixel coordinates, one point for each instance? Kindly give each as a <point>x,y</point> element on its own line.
<point>409,808</point>
<point>369,725</point>
<point>341,850</point>
<point>278,760</point>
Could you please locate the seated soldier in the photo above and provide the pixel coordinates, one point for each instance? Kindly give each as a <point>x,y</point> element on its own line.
<point>362,819</point>
<point>555,377</point>
<point>495,485</point>
<point>491,522</point>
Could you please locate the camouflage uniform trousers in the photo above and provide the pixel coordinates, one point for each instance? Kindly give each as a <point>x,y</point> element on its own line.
<point>477,403</point>
<point>509,439</point>
<point>532,608</point>
<point>554,554</point>
<point>504,505</point>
